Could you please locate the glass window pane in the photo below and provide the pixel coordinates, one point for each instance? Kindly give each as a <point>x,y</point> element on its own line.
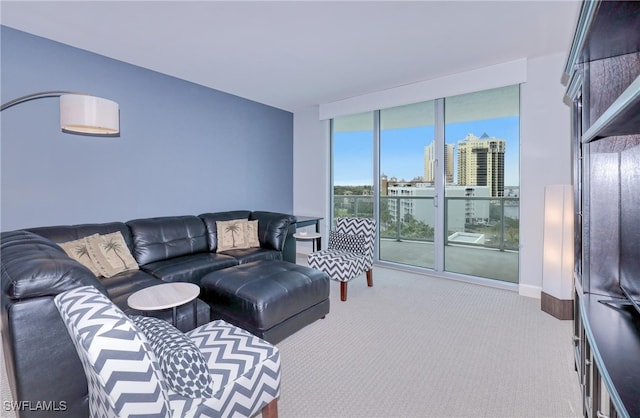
<point>482,135</point>
<point>352,160</point>
<point>406,215</point>
<point>476,162</point>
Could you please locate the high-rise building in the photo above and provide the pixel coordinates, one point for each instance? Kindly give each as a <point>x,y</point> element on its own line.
<point>430,163</point>
<point>481,163</point>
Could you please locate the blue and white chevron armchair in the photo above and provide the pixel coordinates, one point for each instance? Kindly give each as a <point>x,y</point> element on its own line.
<point>216,370</point>
<point>349,252</point>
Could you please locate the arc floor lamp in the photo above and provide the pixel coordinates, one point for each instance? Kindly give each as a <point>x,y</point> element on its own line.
<point>80,113</point>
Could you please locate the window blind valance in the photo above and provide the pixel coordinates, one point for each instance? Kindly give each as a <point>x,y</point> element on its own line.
<point>499,75</point>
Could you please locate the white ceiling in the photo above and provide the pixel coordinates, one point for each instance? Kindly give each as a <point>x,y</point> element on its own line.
<point>291,54</point>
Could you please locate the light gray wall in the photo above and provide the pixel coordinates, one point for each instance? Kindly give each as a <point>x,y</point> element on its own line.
<point>183,148</point>
<point>545,158</point>
<point>311,169</point>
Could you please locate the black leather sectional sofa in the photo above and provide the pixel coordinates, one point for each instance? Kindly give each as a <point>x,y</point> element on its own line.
<point>41,361</point>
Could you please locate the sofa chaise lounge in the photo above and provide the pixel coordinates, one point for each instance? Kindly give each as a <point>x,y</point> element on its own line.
<point>42,364</point>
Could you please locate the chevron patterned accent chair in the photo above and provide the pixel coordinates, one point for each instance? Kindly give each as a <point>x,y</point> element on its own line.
<point>125,377</point>
<point>349,252</point>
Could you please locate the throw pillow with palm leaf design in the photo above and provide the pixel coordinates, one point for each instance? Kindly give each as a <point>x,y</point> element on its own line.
<point>110,254</point>
<point>252,234</point>
<point>232,234</point>
<point>78,250</point>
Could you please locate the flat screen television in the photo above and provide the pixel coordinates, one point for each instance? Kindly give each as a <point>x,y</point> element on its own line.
<point>630,224</point>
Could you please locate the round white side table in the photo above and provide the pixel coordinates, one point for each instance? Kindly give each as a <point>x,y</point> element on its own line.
<point>165,296</point>
<point>310,236</point>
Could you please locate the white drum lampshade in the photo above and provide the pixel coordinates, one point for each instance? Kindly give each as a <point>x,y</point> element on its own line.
<point>89,115</point>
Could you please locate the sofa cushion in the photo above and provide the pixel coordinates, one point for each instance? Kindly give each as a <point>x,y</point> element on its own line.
<point>163,238</point>
<point>110,254</point>
<point>210,220</point>
<point>189,268</point>
<point>121,286</point>
<point>182,364</point>
<point>247,255</point>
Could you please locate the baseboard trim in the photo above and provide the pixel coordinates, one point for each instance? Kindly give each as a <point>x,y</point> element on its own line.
<point>529,291</point>
<point>558,308</point>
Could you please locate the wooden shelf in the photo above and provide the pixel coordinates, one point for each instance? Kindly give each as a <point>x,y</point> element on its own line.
<point>604,29</point>
<point>621,118</point>
<point>614,333</point>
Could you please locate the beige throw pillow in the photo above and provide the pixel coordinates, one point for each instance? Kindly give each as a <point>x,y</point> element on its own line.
<point>252,234</point>
<point>232,234</point>
<point>78,251</point>
<point>110,254</point>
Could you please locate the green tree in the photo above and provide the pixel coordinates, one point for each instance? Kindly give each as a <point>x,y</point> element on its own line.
<point>512,233</point>
<point>386,222</point>
<point>413,228</point>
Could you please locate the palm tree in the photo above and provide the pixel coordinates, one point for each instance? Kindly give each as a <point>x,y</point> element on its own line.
<point>233,228</point>
<point>114,246</point>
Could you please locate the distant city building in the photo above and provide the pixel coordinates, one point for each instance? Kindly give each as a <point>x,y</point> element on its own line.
<point>419,204</point>
<point>481,163</point>
<point>383,185</point>
<point>480,175</point>
<point>430,163</point>
<point>386,182</point>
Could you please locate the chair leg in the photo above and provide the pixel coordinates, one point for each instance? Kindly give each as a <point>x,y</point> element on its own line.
<point>343,291</point>
<point>270,410</point>
<point>370,277</point>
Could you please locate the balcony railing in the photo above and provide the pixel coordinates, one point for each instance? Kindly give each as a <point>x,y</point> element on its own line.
<point>406,223</point>
<point>490,222</point>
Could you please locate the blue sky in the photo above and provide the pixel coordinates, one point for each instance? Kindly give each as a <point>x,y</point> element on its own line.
<point>402,150</point>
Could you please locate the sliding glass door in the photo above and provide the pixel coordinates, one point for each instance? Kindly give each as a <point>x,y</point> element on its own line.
<point>406,208</point>
<point>442,179</point>
<point>482,132</point>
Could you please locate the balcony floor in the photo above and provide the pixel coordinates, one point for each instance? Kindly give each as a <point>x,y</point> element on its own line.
<point>473,261</point>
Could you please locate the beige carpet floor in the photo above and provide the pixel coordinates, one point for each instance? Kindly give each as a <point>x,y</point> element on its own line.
<point>418,346</point>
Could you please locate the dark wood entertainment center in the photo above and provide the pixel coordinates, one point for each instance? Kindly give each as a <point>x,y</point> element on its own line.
<point>603,74</point>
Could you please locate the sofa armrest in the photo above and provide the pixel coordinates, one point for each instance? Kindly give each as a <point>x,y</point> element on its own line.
<point>33,266</point>
<point>273,228</point>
